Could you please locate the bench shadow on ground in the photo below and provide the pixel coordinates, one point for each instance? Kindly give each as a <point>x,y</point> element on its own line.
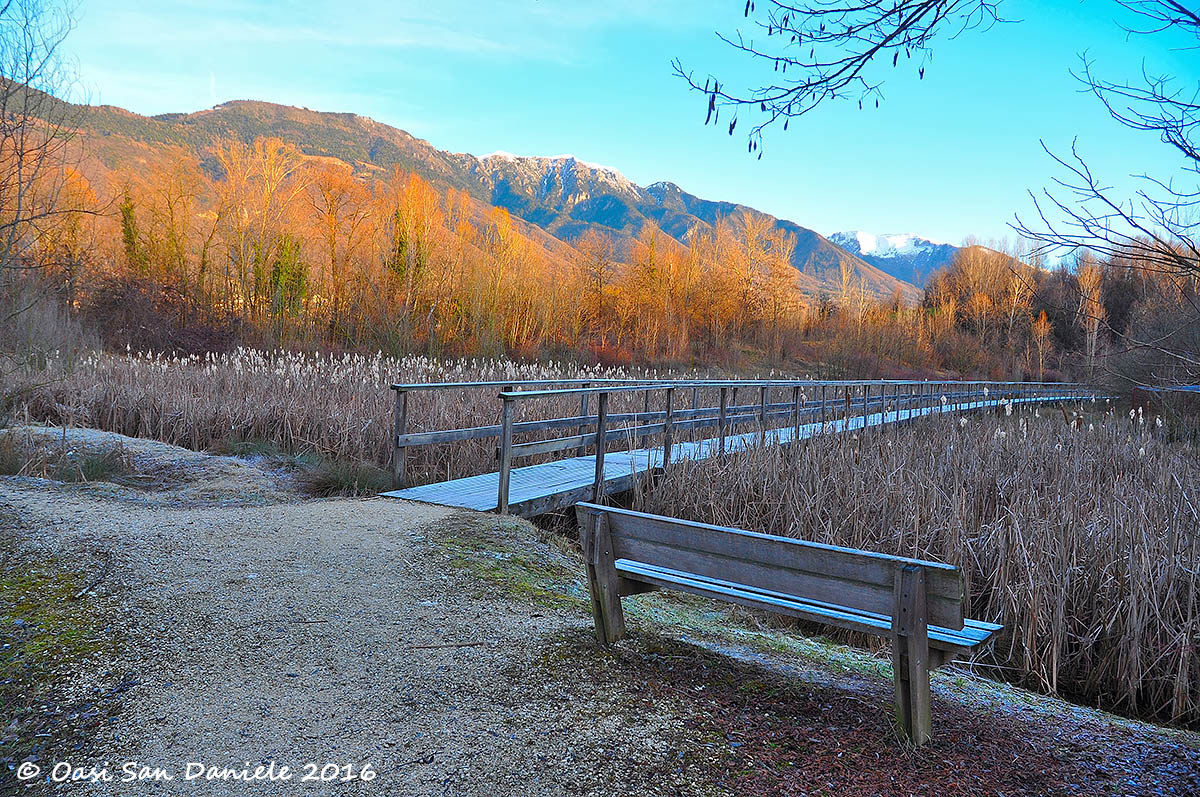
<point>772,731</point>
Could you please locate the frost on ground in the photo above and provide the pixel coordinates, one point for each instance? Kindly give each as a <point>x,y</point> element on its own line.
<point>453,653</point>
<point>161,474</point>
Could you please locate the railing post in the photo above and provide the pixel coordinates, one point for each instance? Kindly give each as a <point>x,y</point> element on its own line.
<point>796,413</point>
<point>601,419</point>
<point>763,394</point>
<point>506,424</point>
<point>721,417</point>
<point>668,437</point>
<point>822,409</point>
<point>734,404</point>
<point>646,411</point>
<point>695,413</point>
<point>583,411</point>
<point>399,452</point>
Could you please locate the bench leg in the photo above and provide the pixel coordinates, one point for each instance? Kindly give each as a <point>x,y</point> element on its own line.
<point>910,655</point>
<point>603,582</point>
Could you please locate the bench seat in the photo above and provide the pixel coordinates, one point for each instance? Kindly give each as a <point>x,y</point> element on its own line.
<point>972,634</point>
<point>917,604</point>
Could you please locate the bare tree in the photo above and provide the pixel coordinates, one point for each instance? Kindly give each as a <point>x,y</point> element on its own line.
<point>36,128</point>
<point>832,48</point>
<point>1153,232</point>
<point>36,131</point>
<point>825,50</point>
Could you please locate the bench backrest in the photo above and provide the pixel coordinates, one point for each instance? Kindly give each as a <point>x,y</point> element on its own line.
<point>848,577</point>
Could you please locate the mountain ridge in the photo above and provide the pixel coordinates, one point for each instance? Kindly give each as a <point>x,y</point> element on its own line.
<point>563,195</point>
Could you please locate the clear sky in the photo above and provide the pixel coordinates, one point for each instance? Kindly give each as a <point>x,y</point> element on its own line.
<point>948,156</point>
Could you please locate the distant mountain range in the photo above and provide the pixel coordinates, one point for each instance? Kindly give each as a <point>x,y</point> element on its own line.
<point>561,195</point>
<point>905,256</point>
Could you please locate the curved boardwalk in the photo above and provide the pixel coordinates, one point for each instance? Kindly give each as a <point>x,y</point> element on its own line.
<point>536,489</point>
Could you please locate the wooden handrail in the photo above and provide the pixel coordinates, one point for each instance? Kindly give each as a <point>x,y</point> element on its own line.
<point>810,402</point>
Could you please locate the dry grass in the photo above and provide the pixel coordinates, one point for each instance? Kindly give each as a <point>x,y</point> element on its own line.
<point>338,406</point>
<point>24,456</point>
<point>1084,543</point>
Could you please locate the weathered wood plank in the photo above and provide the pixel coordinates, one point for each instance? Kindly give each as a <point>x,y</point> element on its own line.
<point>587,541</point>
<point>835,561</point>
<point>602,576</point>
<point>878,624</point>
<point>798,573</point>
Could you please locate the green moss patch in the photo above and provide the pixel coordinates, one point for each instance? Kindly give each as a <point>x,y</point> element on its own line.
<point>48,637</point>
<point>497,551</point>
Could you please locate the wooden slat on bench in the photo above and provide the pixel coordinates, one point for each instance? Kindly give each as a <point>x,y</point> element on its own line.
<point>840,616</point>
<point>845,577</point>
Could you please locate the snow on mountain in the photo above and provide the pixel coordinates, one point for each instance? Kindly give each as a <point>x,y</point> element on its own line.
<point>887,245</point>
<point>560,178</point>
<point>905,256</point>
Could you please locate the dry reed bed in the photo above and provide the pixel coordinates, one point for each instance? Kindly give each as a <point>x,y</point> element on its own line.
<point>1083,542</point>
<point>337,405</point>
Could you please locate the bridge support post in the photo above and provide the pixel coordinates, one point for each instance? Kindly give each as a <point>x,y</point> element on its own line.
<point>695,413</point>
<point>668,431</point>
<point>796,415</point>
<point>721,411</point>
<point>763,395</point>
<point>583,411</point>
<point>642,421</point>
<point>601,420</point>
<point>506,424</point>
<point>399,452</point>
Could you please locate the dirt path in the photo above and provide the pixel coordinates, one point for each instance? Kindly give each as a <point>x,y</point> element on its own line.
<point>310,633</point>
<point>453,655</point>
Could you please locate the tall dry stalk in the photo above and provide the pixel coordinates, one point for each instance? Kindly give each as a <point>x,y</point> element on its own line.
<point>1082,542</point>
<point>338,405</point>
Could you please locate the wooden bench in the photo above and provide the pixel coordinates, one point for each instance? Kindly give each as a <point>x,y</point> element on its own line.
<point>917,604</point>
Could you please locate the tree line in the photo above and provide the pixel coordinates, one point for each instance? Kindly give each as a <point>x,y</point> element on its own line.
<point>259,243</point>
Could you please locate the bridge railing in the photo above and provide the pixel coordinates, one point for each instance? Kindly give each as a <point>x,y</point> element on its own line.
<point>611,417</point>
<point>465,400</point>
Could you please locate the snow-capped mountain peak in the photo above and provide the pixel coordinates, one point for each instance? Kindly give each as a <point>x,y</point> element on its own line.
<point>886,245</point>
<point>907,256</point>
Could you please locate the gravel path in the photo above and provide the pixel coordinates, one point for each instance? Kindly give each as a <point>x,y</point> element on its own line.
<point>308,633</point>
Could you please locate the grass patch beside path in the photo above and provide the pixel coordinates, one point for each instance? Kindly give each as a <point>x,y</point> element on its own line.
<point>26,457</point>
<point>496,551</point>
<point>52,645</point>
<point>317,475</point>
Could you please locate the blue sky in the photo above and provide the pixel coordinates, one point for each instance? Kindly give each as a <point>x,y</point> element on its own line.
<point>948,156</point>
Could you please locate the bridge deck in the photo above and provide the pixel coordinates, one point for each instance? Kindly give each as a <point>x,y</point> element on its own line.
<point>537,489</point>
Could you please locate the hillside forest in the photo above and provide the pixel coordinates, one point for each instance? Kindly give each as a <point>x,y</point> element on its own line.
<point>256,242</point>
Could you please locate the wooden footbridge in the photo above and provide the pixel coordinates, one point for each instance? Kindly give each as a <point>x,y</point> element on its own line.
<point>588,438</point>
